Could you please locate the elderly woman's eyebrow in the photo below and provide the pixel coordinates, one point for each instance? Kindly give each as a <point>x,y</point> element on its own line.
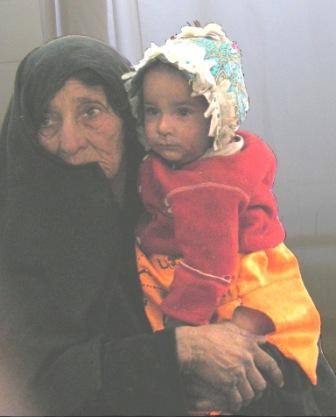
<point>85,100</point>
<point>53,109</point>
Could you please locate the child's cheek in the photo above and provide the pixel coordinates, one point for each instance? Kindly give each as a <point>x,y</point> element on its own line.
<point>149,130</point>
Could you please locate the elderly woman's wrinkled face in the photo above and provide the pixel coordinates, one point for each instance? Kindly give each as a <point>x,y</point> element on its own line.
<point>80,127</point>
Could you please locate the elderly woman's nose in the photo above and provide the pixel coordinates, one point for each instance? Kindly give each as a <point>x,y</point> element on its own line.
<point>72,137</point>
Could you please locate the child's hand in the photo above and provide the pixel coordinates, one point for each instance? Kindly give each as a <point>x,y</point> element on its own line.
<point>253,320</point>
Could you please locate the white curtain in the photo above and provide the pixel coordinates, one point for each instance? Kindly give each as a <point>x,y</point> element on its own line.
<point>114,21</point>
<point>289,59</point>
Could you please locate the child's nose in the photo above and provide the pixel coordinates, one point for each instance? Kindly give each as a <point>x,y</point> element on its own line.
<point>165,125</point>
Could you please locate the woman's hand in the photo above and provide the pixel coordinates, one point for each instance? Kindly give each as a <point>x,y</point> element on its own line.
<point>223,366</point>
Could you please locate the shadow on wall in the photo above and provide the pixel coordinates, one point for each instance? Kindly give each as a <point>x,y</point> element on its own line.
<point>317,256</point>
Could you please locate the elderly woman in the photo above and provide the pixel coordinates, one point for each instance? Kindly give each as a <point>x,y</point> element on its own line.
<point>73,335</point>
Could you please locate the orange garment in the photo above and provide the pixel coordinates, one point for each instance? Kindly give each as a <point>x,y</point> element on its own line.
<point>268,281</point>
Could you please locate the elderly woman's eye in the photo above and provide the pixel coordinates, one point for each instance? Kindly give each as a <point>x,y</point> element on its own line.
<point>91,112</point>
<point>46,122</point>
<point>93,115</point>
<point>48,126</point>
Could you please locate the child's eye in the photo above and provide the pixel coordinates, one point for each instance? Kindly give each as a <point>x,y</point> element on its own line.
<point>184,111</point>
<point>151,111</point>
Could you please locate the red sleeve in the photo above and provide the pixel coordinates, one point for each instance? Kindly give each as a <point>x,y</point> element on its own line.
<point>206,232</point>
<point>260,226</point>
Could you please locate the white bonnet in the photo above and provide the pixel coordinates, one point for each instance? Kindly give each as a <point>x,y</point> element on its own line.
<point>212,64</point>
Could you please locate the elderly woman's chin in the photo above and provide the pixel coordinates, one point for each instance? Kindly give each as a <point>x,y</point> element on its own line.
<point>110,170</point>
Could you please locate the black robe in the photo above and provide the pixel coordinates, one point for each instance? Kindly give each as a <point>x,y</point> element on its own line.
<point>73,336</point>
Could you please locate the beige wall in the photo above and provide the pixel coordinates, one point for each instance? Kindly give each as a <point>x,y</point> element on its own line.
<point>20,31</point>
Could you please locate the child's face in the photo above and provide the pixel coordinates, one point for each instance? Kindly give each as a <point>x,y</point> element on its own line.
<point>175,126</point>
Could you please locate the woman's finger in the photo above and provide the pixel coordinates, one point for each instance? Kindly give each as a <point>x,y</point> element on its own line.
<point>256,379</point>
<point>234,400</point>
<point>269,368</point>
<point>246,391</point>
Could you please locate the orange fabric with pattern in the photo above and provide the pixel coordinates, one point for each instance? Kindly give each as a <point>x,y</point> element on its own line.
<point>268,281</point>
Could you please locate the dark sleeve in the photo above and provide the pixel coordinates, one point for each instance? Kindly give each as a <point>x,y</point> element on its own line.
<point>62,353</point>
<point>137,375</point>
<point>141,376</point>
<point>50,368</point>
<point>49,363</point>
<point>59,269</point>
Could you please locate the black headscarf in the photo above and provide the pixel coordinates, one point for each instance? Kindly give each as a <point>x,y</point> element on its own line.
<point>40,75</point>
<point>63,239</point>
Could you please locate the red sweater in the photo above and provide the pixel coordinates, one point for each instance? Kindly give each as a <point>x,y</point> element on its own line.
<point>207,212</point>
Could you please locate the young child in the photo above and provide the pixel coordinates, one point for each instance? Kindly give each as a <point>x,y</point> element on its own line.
<point>210,246</point>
